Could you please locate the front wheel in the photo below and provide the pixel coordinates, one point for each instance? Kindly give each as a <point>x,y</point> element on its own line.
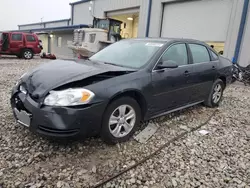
<point>216,94</point>
<point>120,120</point>
<point>27,54</point>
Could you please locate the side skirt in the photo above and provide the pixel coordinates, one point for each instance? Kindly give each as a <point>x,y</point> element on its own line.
<point>176,109</point>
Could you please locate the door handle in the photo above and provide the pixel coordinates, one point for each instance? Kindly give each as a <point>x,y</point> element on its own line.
<point>213,68</point>
<point>186,73</point>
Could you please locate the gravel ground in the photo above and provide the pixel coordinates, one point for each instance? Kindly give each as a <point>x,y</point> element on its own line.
<point>219,159</point>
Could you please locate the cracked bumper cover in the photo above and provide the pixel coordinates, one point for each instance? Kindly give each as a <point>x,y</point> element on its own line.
<point>61,122</point>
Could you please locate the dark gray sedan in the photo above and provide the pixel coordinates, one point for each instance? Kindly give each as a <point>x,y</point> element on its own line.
<point>127,82</point>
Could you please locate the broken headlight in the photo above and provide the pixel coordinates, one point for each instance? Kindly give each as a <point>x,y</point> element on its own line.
<point>69,97</point>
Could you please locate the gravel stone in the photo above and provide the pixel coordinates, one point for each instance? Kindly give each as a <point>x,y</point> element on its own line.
<point>94,169</point>
<point>219,159</point>
<point>174,183</point>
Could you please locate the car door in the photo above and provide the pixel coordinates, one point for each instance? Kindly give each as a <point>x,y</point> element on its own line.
<point>16,42</point>
<point>171,86</point>
<point>4,43</point>
<point>204,71</point>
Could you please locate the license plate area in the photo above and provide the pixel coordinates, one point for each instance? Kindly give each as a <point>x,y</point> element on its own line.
<point>22,117</point>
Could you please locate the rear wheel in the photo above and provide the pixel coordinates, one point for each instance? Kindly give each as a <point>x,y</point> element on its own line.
<point>216,94</point>
<point>27,54</point>
<point>120,120</point>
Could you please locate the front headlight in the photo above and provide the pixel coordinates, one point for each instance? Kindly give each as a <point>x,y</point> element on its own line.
<point>69,97</point>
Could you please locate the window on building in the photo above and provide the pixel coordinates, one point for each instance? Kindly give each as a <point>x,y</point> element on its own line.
<point>59,42</point>
<point>92,38</point>
<point>16,37</point>
<point>176,53</point>
<point>30,38</point>
<point>200,53</point>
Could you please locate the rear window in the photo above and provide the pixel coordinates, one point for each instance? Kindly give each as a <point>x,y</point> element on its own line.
<point>200,53</point>
<point>16,37</point>
<point>30,38</point>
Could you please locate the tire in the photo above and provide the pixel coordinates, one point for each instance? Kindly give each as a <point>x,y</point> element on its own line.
<point>211,101</point>
<point>108,133</point>
<point>27,54</point>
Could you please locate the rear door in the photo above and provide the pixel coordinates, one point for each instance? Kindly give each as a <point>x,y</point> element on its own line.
<point>16,43</point>
<point>204,71</point>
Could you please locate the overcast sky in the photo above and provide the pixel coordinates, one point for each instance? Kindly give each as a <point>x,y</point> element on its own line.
<point>17,12</point>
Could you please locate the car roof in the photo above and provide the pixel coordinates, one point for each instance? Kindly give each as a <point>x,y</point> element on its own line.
<point>18,32</point>
<point>166,40</point>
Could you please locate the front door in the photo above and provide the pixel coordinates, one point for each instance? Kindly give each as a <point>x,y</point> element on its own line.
<point>204,71</point>
<point>172,86</point>
<point>4,42</point>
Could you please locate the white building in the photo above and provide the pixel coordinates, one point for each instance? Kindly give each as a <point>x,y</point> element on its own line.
<point>223,23</point>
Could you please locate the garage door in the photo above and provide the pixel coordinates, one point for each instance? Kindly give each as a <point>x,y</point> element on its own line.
<point>205,20</point>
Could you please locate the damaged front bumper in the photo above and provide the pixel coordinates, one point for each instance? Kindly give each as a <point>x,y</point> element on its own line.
<point>61,122</point>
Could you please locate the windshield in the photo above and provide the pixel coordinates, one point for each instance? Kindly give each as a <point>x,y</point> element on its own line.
<point>128,53</point>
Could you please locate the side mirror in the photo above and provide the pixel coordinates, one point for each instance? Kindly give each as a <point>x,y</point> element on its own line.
<point>167,64</point>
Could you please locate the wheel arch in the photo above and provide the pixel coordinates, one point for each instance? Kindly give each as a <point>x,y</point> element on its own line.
<point>135,94</point>
<point>224,80</point>
<point>27,48</point>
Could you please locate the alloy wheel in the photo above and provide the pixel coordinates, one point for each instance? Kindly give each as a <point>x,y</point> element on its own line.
<point>122,121</point>
<point>217,93</point>
<point>27,54</point>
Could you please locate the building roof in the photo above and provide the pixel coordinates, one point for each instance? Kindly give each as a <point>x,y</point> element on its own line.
<point>63,28</point>
<point>79,2</point>
<point>54,21</point>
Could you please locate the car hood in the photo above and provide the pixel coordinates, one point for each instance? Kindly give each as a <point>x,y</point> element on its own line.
<point>46,77</point>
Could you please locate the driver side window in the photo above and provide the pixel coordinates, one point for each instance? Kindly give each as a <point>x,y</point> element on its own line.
<point>176,53</point>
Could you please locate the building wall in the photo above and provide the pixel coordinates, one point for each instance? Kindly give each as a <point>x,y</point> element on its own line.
<point>34,26</point>
<point>81,14</point>
<point>244,57</point>
<point>57,24</point>
<point>136,25</point>
<point>233,29</point>
<point>101,7</point>
<point>63,51</point>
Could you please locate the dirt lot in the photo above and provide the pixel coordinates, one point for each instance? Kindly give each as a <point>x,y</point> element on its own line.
<point>219,159</point>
